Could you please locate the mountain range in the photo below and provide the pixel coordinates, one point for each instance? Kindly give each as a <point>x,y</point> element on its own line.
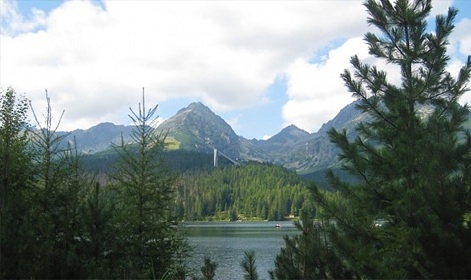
<point>197,128</point>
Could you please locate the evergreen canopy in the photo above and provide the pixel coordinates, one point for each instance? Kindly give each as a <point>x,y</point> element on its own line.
<point>407,215</point>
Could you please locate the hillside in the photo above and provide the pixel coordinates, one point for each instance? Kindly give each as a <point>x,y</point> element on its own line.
<point>196,128</point>
<point>251,192</point>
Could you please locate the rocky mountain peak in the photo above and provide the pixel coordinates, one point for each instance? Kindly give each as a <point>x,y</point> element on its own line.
<point>197,107</point>
<point>289,134</point>
<point>198,128</point>
<point>294,131</point>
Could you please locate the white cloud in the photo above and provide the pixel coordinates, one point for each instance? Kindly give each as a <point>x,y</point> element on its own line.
<point>316,91</point>
<point>13,22</point>
<point>461,37</point>
<point>94,61</point>
<point>460,50</point>
<point>440,7</point>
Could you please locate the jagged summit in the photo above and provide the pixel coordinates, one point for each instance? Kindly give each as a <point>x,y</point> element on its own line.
<point>291,133</point>
<point>197,128</point>
<point>195,106</point>
<point>346,116</point>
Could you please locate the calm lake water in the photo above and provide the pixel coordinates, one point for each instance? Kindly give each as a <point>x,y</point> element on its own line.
<point>225,243</point>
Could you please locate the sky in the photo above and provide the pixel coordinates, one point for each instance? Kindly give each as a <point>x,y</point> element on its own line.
<point>260,65</point>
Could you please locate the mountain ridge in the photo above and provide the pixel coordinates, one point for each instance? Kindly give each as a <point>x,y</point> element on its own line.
<point>197,128</point>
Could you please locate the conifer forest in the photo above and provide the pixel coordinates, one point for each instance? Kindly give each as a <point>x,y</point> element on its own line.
<point>118,215</point>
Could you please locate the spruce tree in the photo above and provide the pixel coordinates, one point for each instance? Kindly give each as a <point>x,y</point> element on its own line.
<point>405,216</point>
<point>76,193</point>
<point>150,245</point>
<point>98,236</point>
<point>52,197</point>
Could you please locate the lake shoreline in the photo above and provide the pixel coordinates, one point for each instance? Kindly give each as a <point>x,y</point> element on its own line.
<point>226,242</point>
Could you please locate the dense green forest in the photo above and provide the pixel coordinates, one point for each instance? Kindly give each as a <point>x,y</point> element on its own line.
<point>115,214</point>
<point>58,221</point>
<point>178,161</point>
<point>252,191</point>
<point>406,214</point>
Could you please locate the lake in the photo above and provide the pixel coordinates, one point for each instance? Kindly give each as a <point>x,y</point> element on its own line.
<point>225,243</point>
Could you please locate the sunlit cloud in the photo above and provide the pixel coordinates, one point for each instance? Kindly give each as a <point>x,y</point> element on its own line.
<point>95,59</point>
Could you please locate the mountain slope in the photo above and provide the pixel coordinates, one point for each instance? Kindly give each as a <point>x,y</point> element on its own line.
<point>98,138</point>
<point>317,152</point>
<point>297,149</point>
<point>288,135</point>
<point>197,128</point>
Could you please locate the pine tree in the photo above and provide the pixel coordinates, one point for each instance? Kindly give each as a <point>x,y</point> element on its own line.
<point>150,244</point>
<point>248,265</point>
<point>308,254</point>
<point>209,269</point>
<point>405,216</point>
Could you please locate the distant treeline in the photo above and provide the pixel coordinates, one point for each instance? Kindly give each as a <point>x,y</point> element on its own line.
<point>251,191</point>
